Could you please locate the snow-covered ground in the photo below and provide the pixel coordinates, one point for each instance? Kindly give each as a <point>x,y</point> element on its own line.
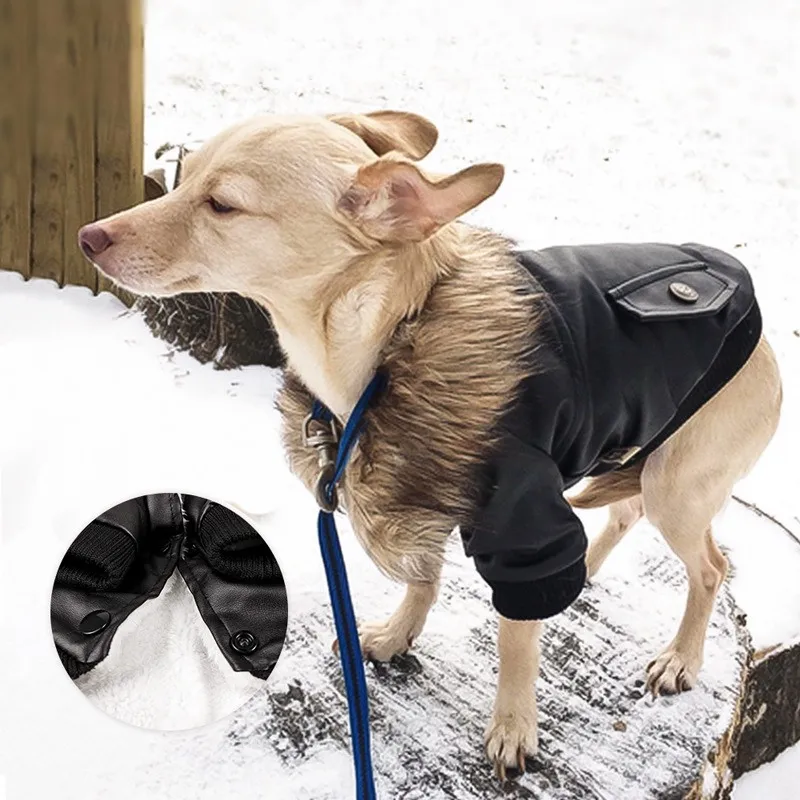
<point>133,418</point>
<point>775,781</point>
<point>621,120</point>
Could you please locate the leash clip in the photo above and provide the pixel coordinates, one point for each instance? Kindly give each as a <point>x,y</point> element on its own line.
<point>323,436</point>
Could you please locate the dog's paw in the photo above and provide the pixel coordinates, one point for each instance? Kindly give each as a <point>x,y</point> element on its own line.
<point>510,737</point>
<point>671,672</point>
<point>381,641</point>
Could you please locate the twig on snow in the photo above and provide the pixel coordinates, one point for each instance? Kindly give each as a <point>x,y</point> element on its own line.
<point>761,513</point>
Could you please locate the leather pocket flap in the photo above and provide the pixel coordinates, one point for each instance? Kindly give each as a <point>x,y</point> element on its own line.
<point>679,291</point>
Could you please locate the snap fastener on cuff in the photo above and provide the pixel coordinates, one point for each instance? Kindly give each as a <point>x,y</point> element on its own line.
<point>94,622</point>
<point>244,642</point>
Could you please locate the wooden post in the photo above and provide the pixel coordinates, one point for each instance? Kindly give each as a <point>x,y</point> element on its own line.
<point>16,139</point>
<point>71,128</point>
<point>119,108</point>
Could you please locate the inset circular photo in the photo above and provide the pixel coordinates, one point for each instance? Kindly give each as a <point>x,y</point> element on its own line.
<point>169,611</point>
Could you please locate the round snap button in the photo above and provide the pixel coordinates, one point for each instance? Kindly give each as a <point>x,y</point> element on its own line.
<point>683,292</point>
<point>244,642</point>
<point>94,622</point>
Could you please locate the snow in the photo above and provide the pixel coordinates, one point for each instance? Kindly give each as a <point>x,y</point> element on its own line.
<point>763,555</point>
<point>676,123</point>
<point>776,781</point>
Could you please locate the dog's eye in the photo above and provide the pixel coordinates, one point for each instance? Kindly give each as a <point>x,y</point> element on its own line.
<point>219,208</point>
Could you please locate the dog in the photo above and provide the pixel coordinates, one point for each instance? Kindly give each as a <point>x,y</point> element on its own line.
<point>363,265</point>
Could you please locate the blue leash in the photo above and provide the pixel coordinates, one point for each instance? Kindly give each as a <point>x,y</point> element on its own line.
<point>331,471</point>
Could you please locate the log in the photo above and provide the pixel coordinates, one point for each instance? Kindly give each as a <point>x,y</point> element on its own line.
<point>765,557</point>
<point>770,708</point>
<point>227,330</point>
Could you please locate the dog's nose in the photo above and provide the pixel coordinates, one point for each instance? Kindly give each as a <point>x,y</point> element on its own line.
<point>93,239</point>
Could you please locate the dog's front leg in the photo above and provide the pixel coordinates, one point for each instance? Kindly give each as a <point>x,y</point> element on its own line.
<point>382,640</point>
<point>409,548</point>
<point>512,732</point>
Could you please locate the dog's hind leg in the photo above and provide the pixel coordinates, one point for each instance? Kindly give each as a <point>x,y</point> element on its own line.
<point>686,482</point>
<point>622,516</point>
<point>676,668</point>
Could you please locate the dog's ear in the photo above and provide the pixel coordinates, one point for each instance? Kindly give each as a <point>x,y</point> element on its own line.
<point>384,131</point>
<point>392,201</point>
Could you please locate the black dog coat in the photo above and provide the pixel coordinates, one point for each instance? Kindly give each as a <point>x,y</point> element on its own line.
<point>634,339</point>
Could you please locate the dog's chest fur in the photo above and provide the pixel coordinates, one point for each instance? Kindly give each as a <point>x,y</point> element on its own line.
<point>451,374</point>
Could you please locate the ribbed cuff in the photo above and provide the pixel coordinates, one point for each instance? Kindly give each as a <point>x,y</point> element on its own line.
<point>98,560</point>
<point>539,599</point>
<point>235,549</point>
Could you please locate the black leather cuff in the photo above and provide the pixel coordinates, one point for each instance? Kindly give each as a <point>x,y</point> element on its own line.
<point>237,585</point>
<point>116,563</point>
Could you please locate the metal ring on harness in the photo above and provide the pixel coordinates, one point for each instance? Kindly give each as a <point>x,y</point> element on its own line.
<point>325,492</point>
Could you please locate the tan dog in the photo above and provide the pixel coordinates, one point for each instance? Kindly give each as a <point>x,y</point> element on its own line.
<point>361,263</point>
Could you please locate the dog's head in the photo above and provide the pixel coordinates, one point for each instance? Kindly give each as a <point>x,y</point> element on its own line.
<point>275,206</point>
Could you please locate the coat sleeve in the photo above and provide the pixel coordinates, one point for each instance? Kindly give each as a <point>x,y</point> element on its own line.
<point>526,541</point>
